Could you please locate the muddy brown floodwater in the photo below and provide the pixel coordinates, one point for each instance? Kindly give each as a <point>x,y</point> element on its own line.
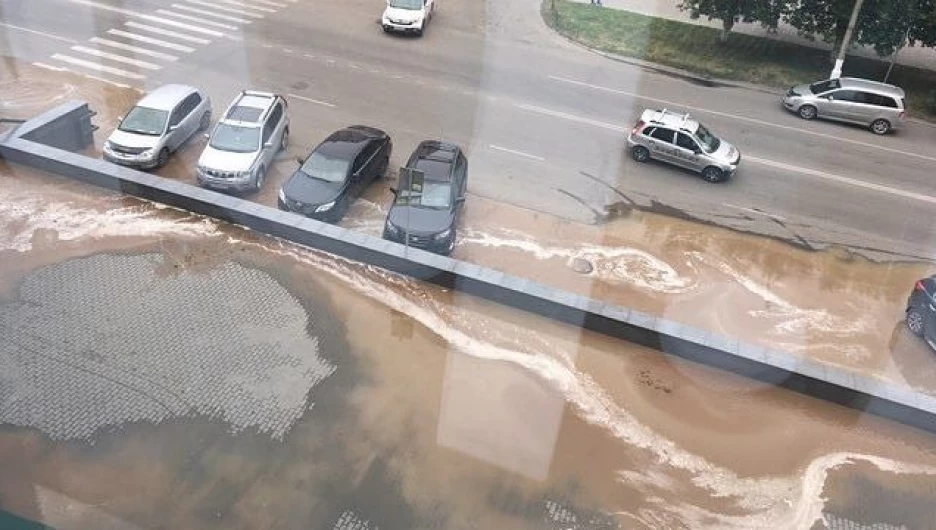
<point>831,306</point>
<point>301,390</point>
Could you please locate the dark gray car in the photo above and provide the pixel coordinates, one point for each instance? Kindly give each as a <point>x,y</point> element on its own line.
<point>424,213</point>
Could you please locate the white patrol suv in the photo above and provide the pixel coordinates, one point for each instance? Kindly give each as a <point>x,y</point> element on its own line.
<point>242,145</point>
<point>407,15</point>
<point>677,139</point>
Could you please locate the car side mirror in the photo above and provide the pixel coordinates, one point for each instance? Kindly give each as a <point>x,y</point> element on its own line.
<point>267,145</point>
<point>460,200</point>
<point>300,159</point>
<point>206,135</point>
<point>119,119</point>
<point>173,127</point>
<point>393,191</point>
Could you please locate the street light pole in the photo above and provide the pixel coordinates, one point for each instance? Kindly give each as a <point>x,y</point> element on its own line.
<point>852,22</point>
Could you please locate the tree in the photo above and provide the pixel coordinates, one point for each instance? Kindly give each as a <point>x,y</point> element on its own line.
<point>730,12</point>
<point>882,24</point>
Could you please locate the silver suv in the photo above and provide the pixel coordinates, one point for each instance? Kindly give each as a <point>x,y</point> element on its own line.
<point>158,125</point>
<point>678,139</point>
<point>879,106</point>
<point>242,145</point>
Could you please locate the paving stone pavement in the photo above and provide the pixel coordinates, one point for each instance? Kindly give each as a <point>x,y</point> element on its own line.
<point>100,341</point>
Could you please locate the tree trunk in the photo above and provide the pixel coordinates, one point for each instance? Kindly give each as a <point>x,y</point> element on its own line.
<point>727,24</point>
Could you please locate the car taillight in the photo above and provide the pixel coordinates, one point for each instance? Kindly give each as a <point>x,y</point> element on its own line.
<point>903,114</point>
<point>919,286</point>
<point>639,127</point>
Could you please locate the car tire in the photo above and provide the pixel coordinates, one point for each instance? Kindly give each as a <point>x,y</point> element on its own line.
<point>162,158</point>
<point>713,174</point>
<point>808,112</point>
<point>259,179</point>
<point>640,153</point>
<point>284,143</point>
<point>915,321</point>
<point>205,121</point>
<point>880,126</point>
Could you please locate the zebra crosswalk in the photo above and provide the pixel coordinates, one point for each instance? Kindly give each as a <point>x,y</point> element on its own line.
<point>147,41</point>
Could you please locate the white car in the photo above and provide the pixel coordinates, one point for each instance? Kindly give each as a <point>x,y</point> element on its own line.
<point>407,15</point>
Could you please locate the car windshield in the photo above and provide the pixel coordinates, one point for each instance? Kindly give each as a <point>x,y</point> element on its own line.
<point>144,120</point>
<point>323,167</point>
<point>436,195</point>
<point>709,141</point>
<point>824,86</point>
<point>406,4</point>
<point>227,137</point>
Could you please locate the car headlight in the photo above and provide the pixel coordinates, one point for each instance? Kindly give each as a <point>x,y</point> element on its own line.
<point>148,152</point>
<point>443,234</point>
<point>325,207</point>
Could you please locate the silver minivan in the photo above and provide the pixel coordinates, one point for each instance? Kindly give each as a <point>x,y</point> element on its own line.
<point>243,144</point>
<point>878,106</point>
<point>677,139</point>
<point>158,125</point>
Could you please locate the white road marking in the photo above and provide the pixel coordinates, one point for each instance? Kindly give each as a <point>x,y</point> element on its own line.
<point>240,12</point>
<point>210,14</point>
<point>115,57</point>
<point>167,33</point>
<point>134,49</point>
<point>268,3</point>
<point>844,180</point>
<point>50,67</point>
<point>515,152</point>
<point>754,211</point>
<point>745,118</point>
<point>189,27</point>
<point>571,117</point>
<point>41,33</point>
<point>248,6</point>
<point>144,16</point>
<point>310,100</point>
<point>150,40</point>
<point>108,81</point>
<point>95,66</point>
<point>197,19</point>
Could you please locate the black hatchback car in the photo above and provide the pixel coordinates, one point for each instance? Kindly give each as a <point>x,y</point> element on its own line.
<point>336,172</point>
<point>921,310</point>
<point>424,213</point>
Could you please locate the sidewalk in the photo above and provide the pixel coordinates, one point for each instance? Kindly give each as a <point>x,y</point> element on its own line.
<point>911,56</point>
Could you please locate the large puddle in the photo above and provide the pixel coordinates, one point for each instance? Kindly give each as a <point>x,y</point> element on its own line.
<point>305,391</point>
<point>830,306</point>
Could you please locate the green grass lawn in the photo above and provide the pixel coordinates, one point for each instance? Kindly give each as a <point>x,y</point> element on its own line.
<point>698,49</point>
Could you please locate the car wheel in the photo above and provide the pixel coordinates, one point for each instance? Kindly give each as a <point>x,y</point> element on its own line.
<point>640,153</point>
<point>205,121</point>
<point>260,178</point>
<point>915,321</point>
<point>163,157</point>
<point>284,144</point>
<point>880,126</point>
<point>713,174</point>
<point>808,112</point>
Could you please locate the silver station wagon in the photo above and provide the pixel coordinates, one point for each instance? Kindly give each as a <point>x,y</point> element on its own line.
<point>878,106</point>
<point>678,139</point>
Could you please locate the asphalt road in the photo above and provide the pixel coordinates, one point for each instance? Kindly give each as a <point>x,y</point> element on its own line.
<point>544,121</point>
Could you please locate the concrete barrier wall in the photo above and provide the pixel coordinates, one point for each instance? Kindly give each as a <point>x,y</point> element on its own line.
<point>776,367</point>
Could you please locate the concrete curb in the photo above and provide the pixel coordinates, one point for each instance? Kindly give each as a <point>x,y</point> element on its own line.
<point>775,367</point>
